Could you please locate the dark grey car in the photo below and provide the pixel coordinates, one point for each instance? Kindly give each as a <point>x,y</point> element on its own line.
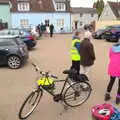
<point>13,51</point>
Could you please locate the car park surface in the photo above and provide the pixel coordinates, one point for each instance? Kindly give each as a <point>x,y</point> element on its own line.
<point>52,54</point>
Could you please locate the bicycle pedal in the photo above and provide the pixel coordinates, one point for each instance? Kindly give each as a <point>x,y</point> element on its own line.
<point>57,98</point>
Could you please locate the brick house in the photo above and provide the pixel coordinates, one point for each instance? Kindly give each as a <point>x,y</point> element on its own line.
<point>33,12</point>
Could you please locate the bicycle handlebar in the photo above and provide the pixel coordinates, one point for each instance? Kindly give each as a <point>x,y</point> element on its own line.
<point>43,73</point>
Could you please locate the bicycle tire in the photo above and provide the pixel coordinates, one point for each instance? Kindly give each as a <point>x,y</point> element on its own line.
<point>38,97</point>
<point>83,101</point>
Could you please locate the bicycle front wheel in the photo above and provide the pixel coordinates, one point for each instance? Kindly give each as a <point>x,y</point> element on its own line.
<point>77,94</point>
<point>30,104</point>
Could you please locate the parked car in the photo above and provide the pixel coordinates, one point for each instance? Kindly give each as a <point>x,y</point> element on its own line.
<point>26,36</point>
<point>100,33</point>
<point>113,34</point>
<point>13,51</point>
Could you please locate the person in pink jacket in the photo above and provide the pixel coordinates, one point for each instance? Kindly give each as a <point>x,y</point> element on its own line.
<point>114,71</point>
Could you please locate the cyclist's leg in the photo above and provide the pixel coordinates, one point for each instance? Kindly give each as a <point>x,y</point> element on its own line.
<point>76,66</point>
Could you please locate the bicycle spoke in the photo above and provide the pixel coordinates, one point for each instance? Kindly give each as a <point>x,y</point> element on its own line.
<point>77,94</point>
<point>69,94</point>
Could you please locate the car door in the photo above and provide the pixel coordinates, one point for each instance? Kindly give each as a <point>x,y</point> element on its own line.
<point>4,50</point>
<point>3,53</point>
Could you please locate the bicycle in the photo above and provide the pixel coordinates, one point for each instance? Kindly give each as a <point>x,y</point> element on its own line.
<point>74,95</point>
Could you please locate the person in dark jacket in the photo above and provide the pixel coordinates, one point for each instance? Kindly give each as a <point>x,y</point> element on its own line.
<point>87,54</point>
<point>51,30</point>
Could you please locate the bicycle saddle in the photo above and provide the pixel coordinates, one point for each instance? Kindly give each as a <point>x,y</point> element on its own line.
<point>73,74</point>
<point>70,72</point>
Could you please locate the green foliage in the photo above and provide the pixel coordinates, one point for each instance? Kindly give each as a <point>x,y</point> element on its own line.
<point>99,7</point>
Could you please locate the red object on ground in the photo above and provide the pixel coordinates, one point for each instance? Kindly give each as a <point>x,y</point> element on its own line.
<point>102,112</point>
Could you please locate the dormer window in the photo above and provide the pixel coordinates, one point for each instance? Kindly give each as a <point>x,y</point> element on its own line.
<point>60,6</point>
<point>23,6</point>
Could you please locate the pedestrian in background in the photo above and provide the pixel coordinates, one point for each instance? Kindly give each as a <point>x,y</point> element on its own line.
<point>42,28</point>
<point>87,55</point>
<point>75,51</point>
<point>114,71</point>
<point>51,30</point>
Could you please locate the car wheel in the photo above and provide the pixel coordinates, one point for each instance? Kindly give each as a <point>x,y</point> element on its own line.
<point>14,62</point>
<point>102,37</point>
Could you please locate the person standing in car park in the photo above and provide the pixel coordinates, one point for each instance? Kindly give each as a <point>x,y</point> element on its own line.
<point>51,30</point>
<point>87,54</point>
<point>87,33</point>
<point>75,51</point>
<point>114,71</point>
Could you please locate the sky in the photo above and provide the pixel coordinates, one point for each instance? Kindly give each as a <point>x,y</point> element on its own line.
<point>85,3</point>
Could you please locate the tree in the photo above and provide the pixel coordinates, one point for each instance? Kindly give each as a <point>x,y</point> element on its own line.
<point>99,7</point>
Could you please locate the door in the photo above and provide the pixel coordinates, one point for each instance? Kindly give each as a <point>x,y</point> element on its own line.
<point>3,53</point>
<point>76,24</point>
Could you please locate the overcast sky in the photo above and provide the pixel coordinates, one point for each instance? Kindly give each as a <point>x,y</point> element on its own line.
<point>84,3</point>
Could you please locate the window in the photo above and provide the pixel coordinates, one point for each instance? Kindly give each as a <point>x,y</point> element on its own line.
<point>92,15</point>
<point>0,20</point>
<point>7,42</point>
<point>19,41</point>
<point>40,2</point>
<point>60,6</point>
<point>81,23</point>
<point>23,6</point>
<point>47,22</point>
<point>60,22</point>
<point>119,12</point>
<point>24,22</point>
<point>81,14</point>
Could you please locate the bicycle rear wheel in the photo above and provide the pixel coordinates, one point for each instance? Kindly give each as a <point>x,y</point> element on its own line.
<point>30,104</point>
<point>77,94</point>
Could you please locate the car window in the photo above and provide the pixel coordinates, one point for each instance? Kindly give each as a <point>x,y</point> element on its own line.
<point>19,41</point>
<point>4,32</point>
<point>7,42</point>
<point>14,32</point>
<point>116,28</point>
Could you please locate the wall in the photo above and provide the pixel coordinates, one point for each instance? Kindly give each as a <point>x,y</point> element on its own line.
<point>86,19</point>
<point>107,14</point>
<point>101,24</point>
<point>37,18</point>
<point>5,13</point>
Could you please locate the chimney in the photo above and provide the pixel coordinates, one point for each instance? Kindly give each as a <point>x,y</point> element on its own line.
<point>67,5</point>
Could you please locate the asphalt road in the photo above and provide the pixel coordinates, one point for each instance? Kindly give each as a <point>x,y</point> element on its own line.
<point>52,54</point>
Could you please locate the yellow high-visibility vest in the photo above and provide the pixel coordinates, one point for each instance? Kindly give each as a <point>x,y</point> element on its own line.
<point>75,55</point>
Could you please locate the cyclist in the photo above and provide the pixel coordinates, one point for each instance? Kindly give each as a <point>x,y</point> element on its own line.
<point>75,51</point>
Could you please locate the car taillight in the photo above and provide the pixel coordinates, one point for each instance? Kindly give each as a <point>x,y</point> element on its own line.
<point>30,37</point>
